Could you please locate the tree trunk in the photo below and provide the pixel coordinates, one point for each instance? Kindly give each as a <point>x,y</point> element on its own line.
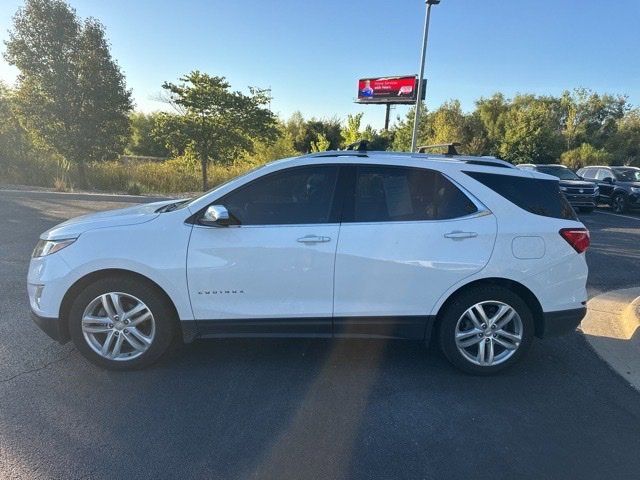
<point>82,175</point>
<point>205,183</point>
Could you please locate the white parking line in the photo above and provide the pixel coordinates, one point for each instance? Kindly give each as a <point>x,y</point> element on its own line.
<point>616,215</point>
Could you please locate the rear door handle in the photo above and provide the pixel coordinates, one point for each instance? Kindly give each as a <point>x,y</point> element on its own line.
<point>458,235</point>
<point>313,239</point>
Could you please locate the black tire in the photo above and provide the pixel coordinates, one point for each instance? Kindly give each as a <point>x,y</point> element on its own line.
<point>448,322</point>
<point>619,203</point>
<point>586,209</point>
<point>162,311</point>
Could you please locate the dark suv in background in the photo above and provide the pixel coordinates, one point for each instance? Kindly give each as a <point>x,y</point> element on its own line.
<point>619,186</point>
<point>582,195</point>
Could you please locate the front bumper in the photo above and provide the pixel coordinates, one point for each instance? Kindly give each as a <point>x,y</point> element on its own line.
<point>561,322</point>
<point>52,327</point>
<point>634,200</point>
<point>589,201</point>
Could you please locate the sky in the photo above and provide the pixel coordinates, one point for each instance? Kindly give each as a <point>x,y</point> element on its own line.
<point>311,53</point>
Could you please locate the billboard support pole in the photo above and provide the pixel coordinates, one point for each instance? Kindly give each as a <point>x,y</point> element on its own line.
<point>425,37</point>
<point>386,118</point>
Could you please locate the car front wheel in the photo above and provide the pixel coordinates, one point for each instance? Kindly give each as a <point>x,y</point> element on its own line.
<point>486,329</point>
<point>121,323</point>
<point>619,203</point>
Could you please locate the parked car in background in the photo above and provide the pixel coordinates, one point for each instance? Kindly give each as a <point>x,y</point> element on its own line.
<point>470,250</point>
<point>619,186</point>
<point>582,195</point>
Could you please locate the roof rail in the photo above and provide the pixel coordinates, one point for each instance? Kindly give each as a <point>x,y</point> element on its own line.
<point>361,145</point>
<point>337,153</point>
<point>471,160</point>
<point>451,147</point>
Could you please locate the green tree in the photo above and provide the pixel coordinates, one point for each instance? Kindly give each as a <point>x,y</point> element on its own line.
<point>267,151</point>
<point>219,124</point>
<point>403,130</point>
<point>379,141</point>
<point>476,141</point>
<point>532,130</point>
<point>321,144</point>
<point>491,113</point>
<point>143,141</point>
<point>446,124</point>
<point>351,133</point>
<point>585,155</point>
<point>71,93</point>
<point>625,144</point>
<point>305,132</point>
<point>589,117</point>
<point>14,141</point>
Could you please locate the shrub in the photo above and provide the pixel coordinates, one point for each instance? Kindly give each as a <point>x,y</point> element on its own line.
<point>178,175</point>
<point>585,155</point>
<point>134,188</point>
<point>60,184</point>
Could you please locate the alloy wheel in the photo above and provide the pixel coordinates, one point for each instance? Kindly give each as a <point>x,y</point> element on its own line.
<point>619,204</point>
<point>489,333</point>
<point>118,326</point>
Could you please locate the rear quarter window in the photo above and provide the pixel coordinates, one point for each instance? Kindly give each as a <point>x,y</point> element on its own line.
<point>541,197</point>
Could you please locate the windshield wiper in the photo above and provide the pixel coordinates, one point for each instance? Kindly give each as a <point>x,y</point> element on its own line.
<point>171,207</point>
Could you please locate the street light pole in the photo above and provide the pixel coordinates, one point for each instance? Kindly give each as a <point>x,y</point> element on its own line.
<point>425,37</point>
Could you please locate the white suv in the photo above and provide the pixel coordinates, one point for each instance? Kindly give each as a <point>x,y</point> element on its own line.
<point>468,250</point>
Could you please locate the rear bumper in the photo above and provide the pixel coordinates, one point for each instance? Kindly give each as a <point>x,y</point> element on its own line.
<point>561,322</point>
<point>52,327</point>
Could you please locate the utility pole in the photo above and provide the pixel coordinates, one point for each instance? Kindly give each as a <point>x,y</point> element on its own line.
<point>386,117</point>
<point>425,37</point>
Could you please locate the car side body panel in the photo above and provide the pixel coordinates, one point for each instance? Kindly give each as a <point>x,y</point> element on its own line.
<point>557,279</point>
<point>155,249</point>
<point>401,269</point>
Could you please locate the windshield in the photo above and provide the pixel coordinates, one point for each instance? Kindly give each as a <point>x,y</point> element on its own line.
<point>562,173</point>
<point>627,174</point>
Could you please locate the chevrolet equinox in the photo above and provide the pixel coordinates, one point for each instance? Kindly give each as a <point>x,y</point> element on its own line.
<point>469,252</point>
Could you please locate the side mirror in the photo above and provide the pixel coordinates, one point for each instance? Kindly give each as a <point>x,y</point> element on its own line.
<point>215,216</point>
<point>608,180</point>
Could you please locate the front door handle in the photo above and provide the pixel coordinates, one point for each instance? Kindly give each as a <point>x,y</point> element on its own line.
<point>313,239</point>
<point>458,235</point>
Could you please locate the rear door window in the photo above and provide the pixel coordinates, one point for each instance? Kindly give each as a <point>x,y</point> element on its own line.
<point>534,195</point>
<point>389,194</point>
<point>589,173</point>
<point>603,173</point>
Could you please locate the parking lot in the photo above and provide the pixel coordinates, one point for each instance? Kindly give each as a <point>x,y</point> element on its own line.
<point>306,408</point>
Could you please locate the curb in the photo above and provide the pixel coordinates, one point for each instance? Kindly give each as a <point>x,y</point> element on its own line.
<point>612,328</point>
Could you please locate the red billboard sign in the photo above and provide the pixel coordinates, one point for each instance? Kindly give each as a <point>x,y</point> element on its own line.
<point>388,89</point>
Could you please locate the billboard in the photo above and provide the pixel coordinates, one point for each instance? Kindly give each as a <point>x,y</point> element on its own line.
<point>388,89</point>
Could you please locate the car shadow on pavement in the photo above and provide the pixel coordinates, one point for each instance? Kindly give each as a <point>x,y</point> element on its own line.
<point>292,409</point>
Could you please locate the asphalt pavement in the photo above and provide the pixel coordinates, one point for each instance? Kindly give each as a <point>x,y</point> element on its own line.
<point>306,409</point>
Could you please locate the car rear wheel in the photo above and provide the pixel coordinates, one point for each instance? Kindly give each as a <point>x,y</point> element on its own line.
<point>485,330</point>
<point>619,203</point>
<point>120,323</point>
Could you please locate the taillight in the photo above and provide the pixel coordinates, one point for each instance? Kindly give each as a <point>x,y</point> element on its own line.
<point>578,238</point>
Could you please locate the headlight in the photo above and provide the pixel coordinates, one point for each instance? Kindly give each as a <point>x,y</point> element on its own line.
<point>47,247</point>
<point>563,189</point>
<point>635,189</point>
